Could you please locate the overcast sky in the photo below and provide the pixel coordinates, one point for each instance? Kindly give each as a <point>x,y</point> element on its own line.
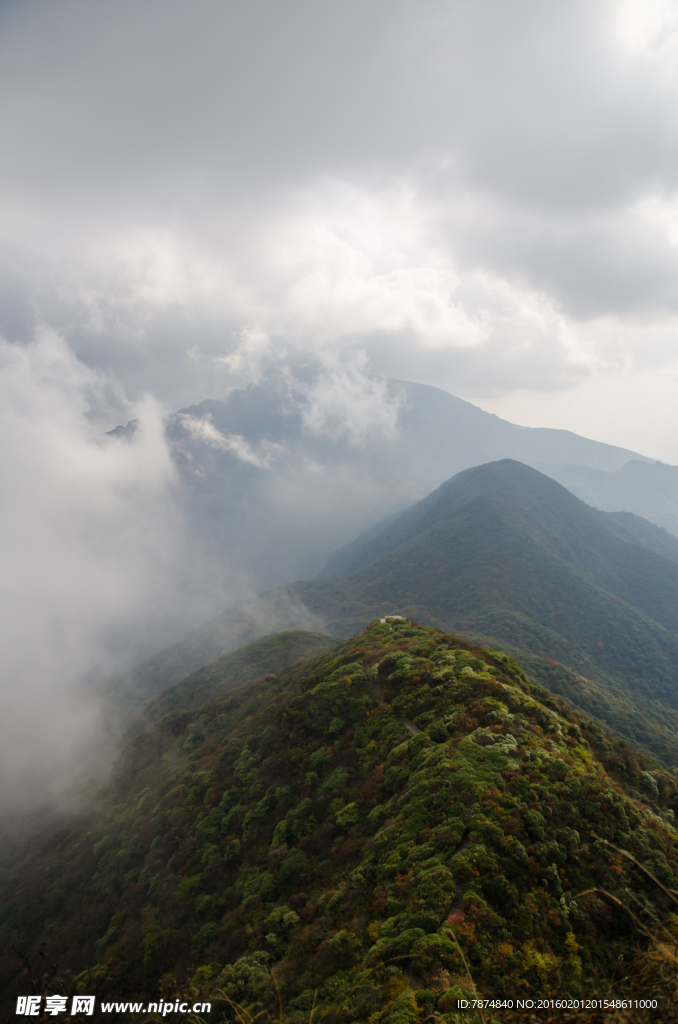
<point>481,196</point>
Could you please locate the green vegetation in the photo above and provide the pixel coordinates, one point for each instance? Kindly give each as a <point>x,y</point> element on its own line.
<point>504,554</point>
<point>366,837</point>
<point>264,657</point>
<point>501,555</point>
<point>649,534</point>
<point>127,692</point>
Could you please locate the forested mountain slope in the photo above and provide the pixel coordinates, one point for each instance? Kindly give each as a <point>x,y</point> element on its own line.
<point>648,489</point>
<point>652,536</point>
<point>372,835</point>
<point>126,693</point>
<point>263,658</point>
<point>504,553</point>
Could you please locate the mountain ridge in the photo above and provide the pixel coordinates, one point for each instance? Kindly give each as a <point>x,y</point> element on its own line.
<point>395,825</point>
<point>585,604</point>
<point>648,489</point>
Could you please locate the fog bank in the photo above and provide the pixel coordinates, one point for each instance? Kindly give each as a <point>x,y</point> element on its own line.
<point>96,566</point>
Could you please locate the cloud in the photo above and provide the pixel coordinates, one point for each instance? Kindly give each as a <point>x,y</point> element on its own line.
<point>344,402</point>
<point>465,195</point>
<point>203,429</point>
<point>95,563</point>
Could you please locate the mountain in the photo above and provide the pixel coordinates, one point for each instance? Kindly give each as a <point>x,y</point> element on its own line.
<point>125,693</point>
<point>269,488</point>
<point>374,834</point>
<point>503,552</point>
<point>260,659</point>
<point>262,635</point>
<point>648,489</point>
<point>436,434</point>
<point>655,537</point>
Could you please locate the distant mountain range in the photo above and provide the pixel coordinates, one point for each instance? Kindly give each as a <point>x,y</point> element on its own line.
<point>270,494</point>
<point>649,489</point>
<point>586,600</point>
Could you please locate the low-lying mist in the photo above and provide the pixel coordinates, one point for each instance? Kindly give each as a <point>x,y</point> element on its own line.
<point>97,566</point>
<point>117,544</point>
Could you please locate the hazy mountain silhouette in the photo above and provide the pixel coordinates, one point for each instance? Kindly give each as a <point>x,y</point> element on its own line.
<point>655,537</point>
<point>270,494</point>
<point>648,489</point>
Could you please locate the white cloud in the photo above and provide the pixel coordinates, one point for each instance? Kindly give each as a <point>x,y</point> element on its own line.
<point>344,402</point>
<point>456,185</point>
<point>649,28</point>
<point>95,564</point>
<point>203,429</point>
